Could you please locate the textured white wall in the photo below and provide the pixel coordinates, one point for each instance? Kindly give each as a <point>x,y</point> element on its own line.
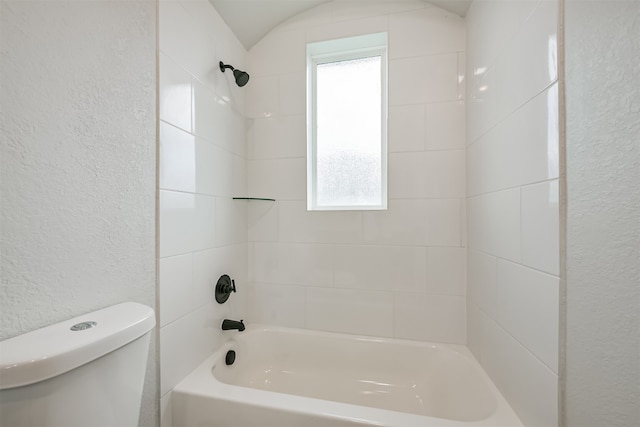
<point>603,217</point>
<point>513,201</point>
<point>78,162</point>
<point>398,272</point>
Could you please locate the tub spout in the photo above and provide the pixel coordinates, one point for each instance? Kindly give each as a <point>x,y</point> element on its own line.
<point>228,324</point>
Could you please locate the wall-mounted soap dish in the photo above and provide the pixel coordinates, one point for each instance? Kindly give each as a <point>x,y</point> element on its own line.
<point>254,198</point>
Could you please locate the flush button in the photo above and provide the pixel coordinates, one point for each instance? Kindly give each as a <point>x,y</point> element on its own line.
<point>82,326</point>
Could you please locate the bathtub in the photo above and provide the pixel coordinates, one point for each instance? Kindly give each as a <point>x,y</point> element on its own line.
<point>285,377</point>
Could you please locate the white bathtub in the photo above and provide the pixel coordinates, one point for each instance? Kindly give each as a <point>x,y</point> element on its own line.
<point>296,378</point>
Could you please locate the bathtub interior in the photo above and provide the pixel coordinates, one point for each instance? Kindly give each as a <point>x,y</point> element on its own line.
<point>414,378</point>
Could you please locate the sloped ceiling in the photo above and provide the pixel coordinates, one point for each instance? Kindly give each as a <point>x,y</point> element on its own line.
<point>251,20</point>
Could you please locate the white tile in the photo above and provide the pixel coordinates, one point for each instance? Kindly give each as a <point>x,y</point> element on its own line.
<point>540,227</point>
<point>445,126</point>
<point>482,281</point>
<point>214,170</point>
<point>436,318</point>
<point>230,222</point>
<point>178,31</point>
<point>406,128</point>
<point>177,159</point>
<point>174,94</point>
<point>491,26</point>
<point>523,149</point>
<point>423,32</point>
<point>175,287</point>
<point>529,309</point>
<point>524,10</point>
<point>203,337</point>
<point>462,84</point>
<point>463,223</point>
<point>296,224</point>
<point>293,93</point>
<point>239,172</point>
<point>192,164</point>
<point>201,58</point>
<point>530,63</point>
<point>238,265</point>
<point>231,93</point>
<point>262,97</point>
<point>531,386</point>
<point>187,223</point>
<point>209,265</point>
<point>238,305</point>
<point>349,28</point>
<point>481,103</point>
<point>384,268</point>
<point>281,179</point>
<point>211,169</point>
<point>475,333</point>
<point>208,113</point>
<point>275,304</point>
<point>227,129</point>
<point>262,221</point>
<point>166,412</point>
<point>494,224</point>
<point>294,264</point>
<point>353,11</point>
<point>279,52</point>
<point>278,137</point>
<point>229,51</point>
<point>423,79</point>
<point>350,311</point>
<point>226,41</point>
<point>233,261</point>
<point>430,174</point>
<point>419,222</point>
<point>446,271</point>
<point>202,13</point>
<point>232,126</point>
<point>180,28</point>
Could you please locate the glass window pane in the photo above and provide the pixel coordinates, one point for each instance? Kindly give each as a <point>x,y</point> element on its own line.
<point>349,121</point>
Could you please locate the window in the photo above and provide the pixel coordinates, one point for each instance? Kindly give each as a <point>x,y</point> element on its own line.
<point>347,124</point>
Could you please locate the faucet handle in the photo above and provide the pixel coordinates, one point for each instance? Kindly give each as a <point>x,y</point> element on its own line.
<point>224,287</point>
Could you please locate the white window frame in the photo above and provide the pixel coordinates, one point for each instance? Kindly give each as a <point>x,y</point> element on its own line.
<point>333,51</point>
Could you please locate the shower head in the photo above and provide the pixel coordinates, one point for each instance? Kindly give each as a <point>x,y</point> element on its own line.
<point>241,77</point>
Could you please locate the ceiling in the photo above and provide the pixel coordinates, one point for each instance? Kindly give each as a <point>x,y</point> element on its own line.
<point>251,20</point>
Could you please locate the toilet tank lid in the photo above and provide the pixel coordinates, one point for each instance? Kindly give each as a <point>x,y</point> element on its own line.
<point>53,350</point>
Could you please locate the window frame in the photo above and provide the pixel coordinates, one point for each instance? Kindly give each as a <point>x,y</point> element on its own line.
<point>345,49</point>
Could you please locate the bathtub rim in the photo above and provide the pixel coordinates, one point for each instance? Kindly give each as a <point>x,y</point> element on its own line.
<point>202,382</point>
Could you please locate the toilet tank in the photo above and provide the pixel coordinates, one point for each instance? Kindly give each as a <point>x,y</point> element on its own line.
<point>84,372</point>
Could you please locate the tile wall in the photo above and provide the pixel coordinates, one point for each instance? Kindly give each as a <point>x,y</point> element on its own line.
<point>513,201</point>
<point>395,273</point>
<point>202,166</point>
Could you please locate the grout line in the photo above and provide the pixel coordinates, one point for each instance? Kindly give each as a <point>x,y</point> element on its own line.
<point>499,258</point>
<point>527,349</point>
<point>529,184</point>
<point>508,116</point>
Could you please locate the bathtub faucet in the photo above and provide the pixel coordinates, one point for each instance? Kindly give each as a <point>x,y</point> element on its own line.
<point>228,324</point>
